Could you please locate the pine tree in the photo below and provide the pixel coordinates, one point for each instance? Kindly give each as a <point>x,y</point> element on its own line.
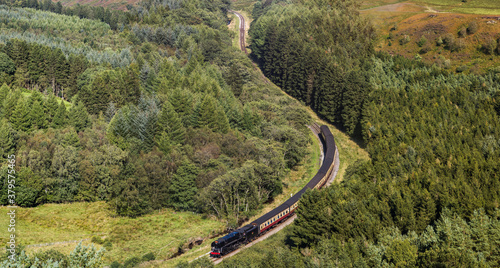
<point>164,143</point>
<point>21,117</point>
<point>221,120</point>
<point>78,117</point>
<point>38,117</point>
<point>51,107</point>
<point>183,187</point>
<point>60,117</point>
<point>10,103</point>
<point>6,142</point>
<point>4,92</point>
<point>207,113</point>
<point>170,123</point>
<point>6,64</point>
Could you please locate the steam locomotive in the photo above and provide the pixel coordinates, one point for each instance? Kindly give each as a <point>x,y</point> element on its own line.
<point>249,232</point>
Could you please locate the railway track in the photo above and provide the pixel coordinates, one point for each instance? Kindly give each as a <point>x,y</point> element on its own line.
<point>315,128</point>
<point>243,46</point>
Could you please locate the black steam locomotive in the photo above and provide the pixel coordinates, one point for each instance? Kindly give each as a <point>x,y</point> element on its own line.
<point>249,232</point>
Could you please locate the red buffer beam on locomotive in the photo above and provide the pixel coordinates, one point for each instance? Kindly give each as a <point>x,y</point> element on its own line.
<point>249,232</point>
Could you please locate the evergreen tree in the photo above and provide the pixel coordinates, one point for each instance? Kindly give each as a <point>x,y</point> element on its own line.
<point>6,64</point>
<point>78,117</point>
<point>170,123</point>
<point>183,187</point>
<point>6,141</point>
<point>38,117</point>
<point>51,107</point>
<point>60,117</point>
<point>10,103</point>
<point>20,118</point>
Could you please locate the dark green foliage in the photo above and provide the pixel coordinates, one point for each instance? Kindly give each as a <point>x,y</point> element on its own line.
<point>6,139</point>
<point>183,188</point>
<point>98,87</point>
<point>115,264</point>
<point>321,69</point>
<point>38,117</point>
<point>148,257</point>
<point>131,262</point>
<point>20,118</point>
<point>78,117</point>
<point>6,64</point>
<point>170,123</point>
<point>53,255</point>
<point>60,117</point>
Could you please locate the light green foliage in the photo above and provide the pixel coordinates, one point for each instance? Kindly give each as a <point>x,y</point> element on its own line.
<point>86,257</point>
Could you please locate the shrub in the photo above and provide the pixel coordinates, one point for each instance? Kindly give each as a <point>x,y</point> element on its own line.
<point>97,240</point>
<point>425,49</point>
<point>107,244</point>
<point>462,32</point>
<point>473,27</point>
<point>115,264</point>
<point>148,257</point>
<point>462,68</point>
<point>448,39</point>
<point>489,46</point>
<point>54,255</point>
<point>439,41</point>
<point>131,262</point>
<point>422,41</point>
<point>405,40</point>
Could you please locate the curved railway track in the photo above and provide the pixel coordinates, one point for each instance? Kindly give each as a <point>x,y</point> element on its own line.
<point>315,128</point>
<point>242,31</point>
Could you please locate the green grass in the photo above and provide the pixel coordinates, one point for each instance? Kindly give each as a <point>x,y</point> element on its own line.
<point>66,103</point>
<point>161,232</point>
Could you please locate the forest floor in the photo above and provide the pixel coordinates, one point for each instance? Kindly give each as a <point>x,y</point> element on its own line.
<point>394,20</point>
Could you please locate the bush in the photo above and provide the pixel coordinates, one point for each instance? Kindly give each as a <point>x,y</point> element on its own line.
<point>462,68</point>
<point>425,49</point>
<point>115,264</point>
<point>462,32</point>
<point>489,46</point>
<point>448,39</point>
<point>439,41</point>
<point>97,240</point>
<point>148,257</point>
<point>422,41</point>
<point>53,255</point>
<point>405,40</point>
<point>107,244</point>
<point>473,27</point>
<point>131,262</point>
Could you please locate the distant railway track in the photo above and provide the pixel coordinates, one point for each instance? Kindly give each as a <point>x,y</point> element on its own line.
<point>243,46</point>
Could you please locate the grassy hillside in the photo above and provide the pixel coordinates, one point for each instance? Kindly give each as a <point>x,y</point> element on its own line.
<point>161,232</point>
<point>414,28</point>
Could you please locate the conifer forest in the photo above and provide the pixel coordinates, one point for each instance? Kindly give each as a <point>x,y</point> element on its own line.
<point>153,108</point>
